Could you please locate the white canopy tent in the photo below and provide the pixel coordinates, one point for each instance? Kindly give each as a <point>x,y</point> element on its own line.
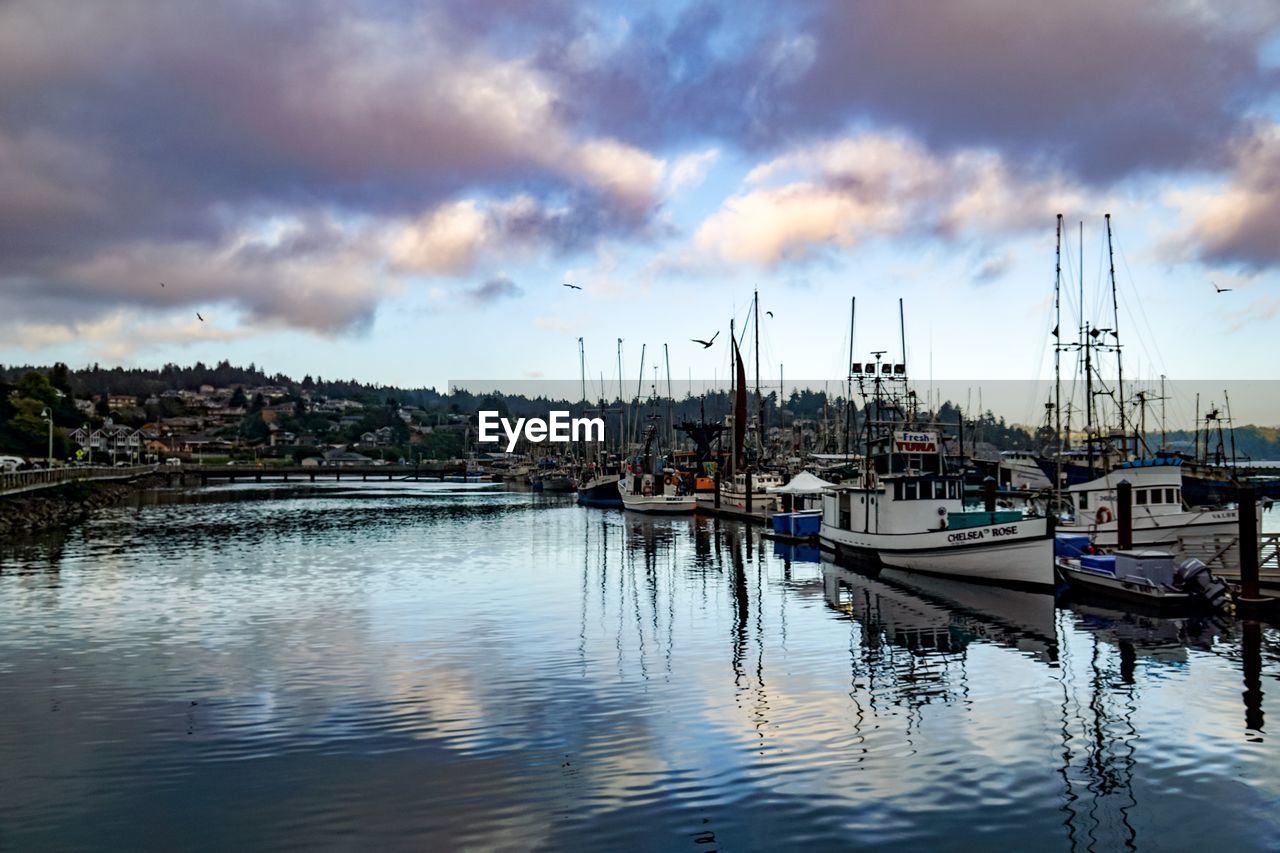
<point>803,483</point>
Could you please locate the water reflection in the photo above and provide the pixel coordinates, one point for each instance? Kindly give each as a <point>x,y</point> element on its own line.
<point>447,669</point>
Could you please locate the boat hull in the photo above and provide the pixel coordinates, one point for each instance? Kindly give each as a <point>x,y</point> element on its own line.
<point>600,492</point>
<point>1018,554</point>
<point>1108,585</point>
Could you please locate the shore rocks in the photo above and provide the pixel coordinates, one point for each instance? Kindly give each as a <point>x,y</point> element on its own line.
<point>65,505</point>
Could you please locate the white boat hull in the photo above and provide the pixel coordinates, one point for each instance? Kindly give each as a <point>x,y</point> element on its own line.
<point>656,504</point>
<point>1017,553</point>
<point>1163,532</point>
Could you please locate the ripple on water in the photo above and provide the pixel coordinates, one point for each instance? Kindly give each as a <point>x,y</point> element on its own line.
<point>412,665</point>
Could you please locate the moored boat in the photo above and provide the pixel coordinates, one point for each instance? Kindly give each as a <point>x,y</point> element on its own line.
<point>907,509</point>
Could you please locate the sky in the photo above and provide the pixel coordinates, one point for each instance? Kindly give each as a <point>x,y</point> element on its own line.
<point>396,192</point>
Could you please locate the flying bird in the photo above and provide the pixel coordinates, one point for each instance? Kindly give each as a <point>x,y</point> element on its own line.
<point>706,344</point>
<point>572,286</point>
<point>162,284</point>
<point>1220,289</point>
<point>770,313</point>
<point>198,317</point>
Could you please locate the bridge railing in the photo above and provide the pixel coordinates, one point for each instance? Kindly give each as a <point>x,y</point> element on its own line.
<point>13,482</point>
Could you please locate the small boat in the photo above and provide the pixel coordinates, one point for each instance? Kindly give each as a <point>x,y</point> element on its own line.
<point>1146,576</point>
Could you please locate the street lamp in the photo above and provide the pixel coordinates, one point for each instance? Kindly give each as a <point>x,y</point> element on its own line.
<point>48,416</point>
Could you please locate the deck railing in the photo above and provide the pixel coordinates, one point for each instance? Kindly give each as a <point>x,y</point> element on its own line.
<point>14,482</point>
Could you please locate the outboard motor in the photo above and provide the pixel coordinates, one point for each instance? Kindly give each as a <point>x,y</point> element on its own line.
<point>1194,578</point>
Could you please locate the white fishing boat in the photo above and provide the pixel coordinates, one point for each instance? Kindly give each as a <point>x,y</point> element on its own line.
<point>907,511</point>
<point>654,495</point>
<point>1160,519</point>
<point>648,485</point>
<point>1020,470</point>
<point>734,493</point>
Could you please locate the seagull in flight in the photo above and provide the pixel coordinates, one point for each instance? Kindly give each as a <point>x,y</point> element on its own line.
<point>198,317</point>
<point>706,344</point>
<point>572,286</point>
<point>162,284</point>
<point>770,313</point>
<point>1220,289</point>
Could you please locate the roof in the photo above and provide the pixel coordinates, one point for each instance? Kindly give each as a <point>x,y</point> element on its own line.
<point>803,483</point>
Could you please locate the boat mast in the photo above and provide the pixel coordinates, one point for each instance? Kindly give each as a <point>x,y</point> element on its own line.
<point>755,311</point>
<point>622,401</point>
<point>1164,439</point>
<point>1196,428</point>
<point>1231,426</point>
<point>848,396</point>
<point>1115,330</point>
<point>1057,358</point>
<point>733,390</point>
<point>671,423</point>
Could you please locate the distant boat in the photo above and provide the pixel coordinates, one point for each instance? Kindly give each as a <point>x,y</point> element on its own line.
<point>598,485</point>
<point>1019,469</point>
<point>646,486</point>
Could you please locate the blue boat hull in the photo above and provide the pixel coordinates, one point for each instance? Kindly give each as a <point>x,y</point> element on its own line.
<point>603,495</point>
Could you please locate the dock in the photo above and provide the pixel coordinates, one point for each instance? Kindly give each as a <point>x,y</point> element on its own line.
<point>205,474</point>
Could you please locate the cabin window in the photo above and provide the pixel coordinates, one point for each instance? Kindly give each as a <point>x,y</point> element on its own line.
<point>1168,496</point>
<point>1140,496</point>
<point>953,490</point>
<point>913,490</point>
<point>1177,496</point>
<point>1157,496</point>
<point>1084,500</point>
<point>897,490</point>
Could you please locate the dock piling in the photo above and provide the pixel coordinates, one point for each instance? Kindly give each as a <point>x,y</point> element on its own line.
<point>1124,515</point>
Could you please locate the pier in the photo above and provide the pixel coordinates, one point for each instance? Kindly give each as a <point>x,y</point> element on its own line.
<point>18,482</point>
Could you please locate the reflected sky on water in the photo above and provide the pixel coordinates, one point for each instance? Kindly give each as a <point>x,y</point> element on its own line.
<point>418,664</point>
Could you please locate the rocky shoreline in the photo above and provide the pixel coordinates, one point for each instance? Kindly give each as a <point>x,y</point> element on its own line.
<point>65,505</point>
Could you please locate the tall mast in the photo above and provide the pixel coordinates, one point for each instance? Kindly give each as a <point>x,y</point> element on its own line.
<point>755,310</point>
<point>733,390</point>
<point>639,388</point>
<point>848,397</point>
<point>582,368</point>
<point>902,332</point>
<point>1115,330</point>
<point>1164,440</point>
<point>1057,355</point>
<point>671,424</point>
<point>622,401</point>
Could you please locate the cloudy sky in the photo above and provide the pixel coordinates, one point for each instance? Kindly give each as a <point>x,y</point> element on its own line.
<point>395,191</point>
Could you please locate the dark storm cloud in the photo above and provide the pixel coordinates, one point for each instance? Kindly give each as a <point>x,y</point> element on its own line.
<point>135,135</point>
<point>1100,88</point>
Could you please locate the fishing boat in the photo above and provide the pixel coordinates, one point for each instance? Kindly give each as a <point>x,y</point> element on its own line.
<point>907,509</point>
<point>1019,469</point>
<point>744,493</point>
<point>598,485</point>
<point>649,486</point>
<point>1160,519</point>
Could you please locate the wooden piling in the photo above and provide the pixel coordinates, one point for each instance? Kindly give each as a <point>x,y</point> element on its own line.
<point>1124,515</point>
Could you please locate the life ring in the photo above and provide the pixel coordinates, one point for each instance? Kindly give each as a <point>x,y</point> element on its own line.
<point>1103,515</point>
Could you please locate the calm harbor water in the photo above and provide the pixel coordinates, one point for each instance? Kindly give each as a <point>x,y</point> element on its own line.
<point>426,667</point>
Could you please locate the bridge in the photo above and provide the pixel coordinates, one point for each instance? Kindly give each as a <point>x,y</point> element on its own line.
<point>204,474</point>
<point>17,482</point>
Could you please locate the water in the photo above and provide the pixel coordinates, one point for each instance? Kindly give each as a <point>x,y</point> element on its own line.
<point>436,667</point>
